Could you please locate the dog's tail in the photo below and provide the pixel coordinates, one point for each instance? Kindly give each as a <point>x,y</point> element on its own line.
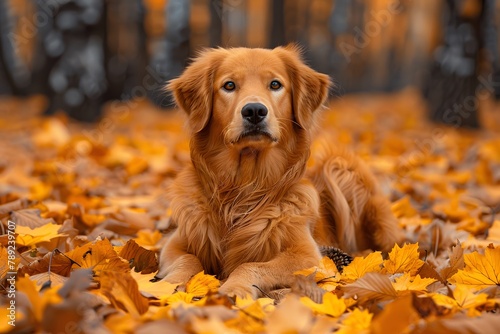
<point>357,214</point>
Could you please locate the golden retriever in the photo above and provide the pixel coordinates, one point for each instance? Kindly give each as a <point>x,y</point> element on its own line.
<point>243,209</point>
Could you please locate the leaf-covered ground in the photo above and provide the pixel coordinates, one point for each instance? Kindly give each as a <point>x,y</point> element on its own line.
<point>85,208</point>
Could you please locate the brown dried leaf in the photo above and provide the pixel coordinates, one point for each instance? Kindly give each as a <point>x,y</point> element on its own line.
<point>99,256</point>
<point>30,218</point>
<point>60,265</point>
<point>456,262</point>
<point>373,286</point>
<point>141,259</point>
<point>123,292</point>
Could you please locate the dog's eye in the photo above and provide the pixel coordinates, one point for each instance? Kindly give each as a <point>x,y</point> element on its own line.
<point>275,85</point>
<point>229,86</point>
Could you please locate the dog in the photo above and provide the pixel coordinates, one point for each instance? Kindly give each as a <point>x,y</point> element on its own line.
<point>244,208</point>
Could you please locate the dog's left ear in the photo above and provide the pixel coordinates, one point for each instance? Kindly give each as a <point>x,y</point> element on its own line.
<point>309,88</point>
<point>193,90</point>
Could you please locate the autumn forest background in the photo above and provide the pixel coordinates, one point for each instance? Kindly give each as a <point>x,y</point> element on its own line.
<point>90,141</point>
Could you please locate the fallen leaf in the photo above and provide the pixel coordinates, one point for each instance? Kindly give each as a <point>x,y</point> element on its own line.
<point>396,317</point>
<point>29,237</point>
<point>291,316</point>
<point>494,232</point>
<point>123,292</point>
<point>4,262</point>
<point>141,259</point>
<point>374,286</point>
<point>467,299</point>
<point>30,218</point>
<point>403,259</point>
<point>326,274</point>
<point>456,262</point>
<point>480,270</point>
<point>99,256</point>
<point>57,262</point>
<point>148,239</point>
<point>362,265</point>
<point>200,285</point>
<point>356,322</point>
<point>402,208</point>
<point>331,305</point>
<point>159,289</point>
<point>406,282</point>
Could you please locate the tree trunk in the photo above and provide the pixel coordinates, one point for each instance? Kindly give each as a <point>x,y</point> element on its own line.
<point>453,83</point>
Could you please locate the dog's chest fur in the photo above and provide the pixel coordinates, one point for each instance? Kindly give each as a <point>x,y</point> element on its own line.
<point>225,235</point>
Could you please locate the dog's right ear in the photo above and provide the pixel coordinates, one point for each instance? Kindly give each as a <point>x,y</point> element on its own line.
<point>193,90</point>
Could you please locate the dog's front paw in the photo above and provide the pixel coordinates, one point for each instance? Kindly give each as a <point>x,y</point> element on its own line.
<point>236,289</point>
<point>177,277</point>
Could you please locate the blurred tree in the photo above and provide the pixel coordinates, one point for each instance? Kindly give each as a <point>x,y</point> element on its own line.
<point>169,57</point>
<point>489,31</point>
<point>14,73</point>
<point>277,23</point>
<point>452,87</point>
<point>126,50</point>
<point>73,43</point>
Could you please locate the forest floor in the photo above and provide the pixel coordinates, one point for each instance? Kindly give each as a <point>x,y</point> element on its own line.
<point>77,199</point>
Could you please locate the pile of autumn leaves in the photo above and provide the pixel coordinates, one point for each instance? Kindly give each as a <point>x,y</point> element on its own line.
<point>86,261</point>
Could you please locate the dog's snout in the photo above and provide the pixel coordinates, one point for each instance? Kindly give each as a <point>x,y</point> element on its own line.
<point>254,112</point>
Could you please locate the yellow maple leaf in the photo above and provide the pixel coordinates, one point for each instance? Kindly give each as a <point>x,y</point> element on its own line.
<point>201,284</point>
<point>443,300</point>
<point>467,299</point>
<point>406,282</point>
<point>480,270</point>
<point>148,289</point>
<point>403,259</point>
<point>326,274</point>
<point>148,239</point>
<point>331,305</point>
<point>403,208</point>
<point>183,298</point>
<point>356,322</point>
<point>362,265</point>
<point>31,237</point>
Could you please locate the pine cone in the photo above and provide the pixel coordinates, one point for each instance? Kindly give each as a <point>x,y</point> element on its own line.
<point>338,257</point>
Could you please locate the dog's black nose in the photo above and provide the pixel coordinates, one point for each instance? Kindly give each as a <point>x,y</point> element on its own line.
<point>254,112</point>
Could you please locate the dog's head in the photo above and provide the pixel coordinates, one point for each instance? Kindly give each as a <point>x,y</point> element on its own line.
<point>250,98</point>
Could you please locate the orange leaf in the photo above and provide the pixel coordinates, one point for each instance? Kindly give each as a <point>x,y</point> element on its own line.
<point>480,270</point>
<point>201,284</point>
<point>362,265</point>
<point>331,305</point>
<point>403,259</point>
<point>99,256</point>
<point>142,260</point>
<point>123,292</point>
<point>32,237</point>
<point>406,282</point>
<point>326,274</point>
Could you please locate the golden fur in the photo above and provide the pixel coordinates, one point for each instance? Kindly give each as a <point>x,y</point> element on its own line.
<point>243,209</point>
